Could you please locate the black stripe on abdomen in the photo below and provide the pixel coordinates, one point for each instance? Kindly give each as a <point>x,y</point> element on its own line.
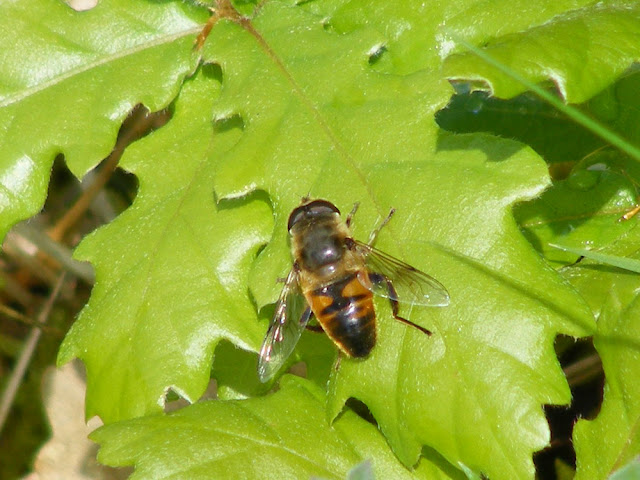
<point>349,319</point>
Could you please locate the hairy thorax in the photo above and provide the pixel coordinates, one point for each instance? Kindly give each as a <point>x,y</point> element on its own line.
<point>320,248</point>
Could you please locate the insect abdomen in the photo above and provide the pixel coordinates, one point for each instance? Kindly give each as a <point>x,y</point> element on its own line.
<point>345,310</point>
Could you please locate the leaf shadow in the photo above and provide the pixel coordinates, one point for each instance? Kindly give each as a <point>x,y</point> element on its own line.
<point>448,468</point>
<point>520,288</point>
<point>477,141</point>
<point>562,143</point>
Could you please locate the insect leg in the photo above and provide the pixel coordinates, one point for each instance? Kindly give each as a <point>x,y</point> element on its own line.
<point>374,234</point>
<point>379,279</point>
<point>352,213</point>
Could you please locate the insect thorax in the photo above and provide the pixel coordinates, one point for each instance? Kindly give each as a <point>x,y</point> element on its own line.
<point>319,245</point>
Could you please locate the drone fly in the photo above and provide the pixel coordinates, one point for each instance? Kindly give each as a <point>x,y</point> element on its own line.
<point>334,278</point>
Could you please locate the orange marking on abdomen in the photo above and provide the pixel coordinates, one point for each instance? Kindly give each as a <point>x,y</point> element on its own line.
<point>345,310</point>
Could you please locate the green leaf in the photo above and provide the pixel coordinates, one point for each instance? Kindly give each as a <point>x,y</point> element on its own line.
<point>596,282</point>
<point>573,113</point>
<point>564,471</point>
<point>527,118</point>
<point>620,106</point>
<point>580,212</point>
<point>413,30</point>
<point>68,79</point>
<point>305,104</point>
<point>581,51</point>
<point>262,438</point>
<point>550,132</point>
<point>171,271</point>
<point>491,356</point>
<point>611,440</point>
<point>235,369</point>
<point>357,144</point>
<point>235,373</point>
<point>608,442</point>
<point>306,131</point>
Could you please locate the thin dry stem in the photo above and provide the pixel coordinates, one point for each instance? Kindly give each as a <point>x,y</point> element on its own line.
<point>584,370</point>
<point>19,317</point>
<point>27,353</point>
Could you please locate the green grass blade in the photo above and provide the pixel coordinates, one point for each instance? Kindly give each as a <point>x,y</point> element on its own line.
<point>630,264</point>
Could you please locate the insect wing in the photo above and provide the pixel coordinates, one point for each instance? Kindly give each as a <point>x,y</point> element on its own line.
<point>289,321</point>
<point>410,284</point>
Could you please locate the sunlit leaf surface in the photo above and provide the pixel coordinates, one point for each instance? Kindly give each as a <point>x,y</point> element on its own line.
<point>171,271</point>
<point>581,51</point>
<point>608,442</point>
<point>453,199</point>
<point>68,79</point>
<point>336,100</point>
<point>265,438</point>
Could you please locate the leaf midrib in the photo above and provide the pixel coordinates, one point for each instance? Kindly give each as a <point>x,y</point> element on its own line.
<point>306,101</point>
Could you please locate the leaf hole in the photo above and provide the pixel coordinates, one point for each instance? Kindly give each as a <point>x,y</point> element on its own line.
<point>582,366</point>
<point>139,123</point>
<point>212,71</point>
<point>362,410</point>
<point>227,124</point>
<point>81,5</point>
<point>74,208</point>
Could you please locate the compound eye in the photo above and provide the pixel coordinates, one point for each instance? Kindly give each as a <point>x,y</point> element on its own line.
<point>313,209</point>
<point>321,207</point>
<point>295,217</point>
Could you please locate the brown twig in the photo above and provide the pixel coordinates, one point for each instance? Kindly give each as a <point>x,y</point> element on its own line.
<point>22,256</point>
<point>15,290</point>
<point>18,372</point>
<point>19,317</point>
<point>584,370</point>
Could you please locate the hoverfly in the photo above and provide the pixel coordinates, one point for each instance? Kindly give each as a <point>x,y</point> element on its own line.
<point>334,278</point>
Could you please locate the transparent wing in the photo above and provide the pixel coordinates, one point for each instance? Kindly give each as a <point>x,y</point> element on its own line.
<point>406,283</point>
<point>289,321</point>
